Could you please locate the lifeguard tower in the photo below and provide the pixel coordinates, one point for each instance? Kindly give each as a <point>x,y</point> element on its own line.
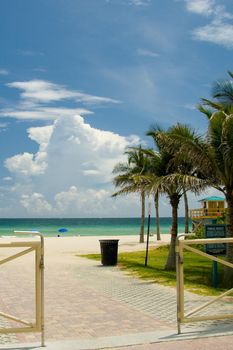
<point>212,209</point>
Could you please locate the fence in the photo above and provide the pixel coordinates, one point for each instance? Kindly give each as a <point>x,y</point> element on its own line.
<point>38,248</point>
<point>186,244</point>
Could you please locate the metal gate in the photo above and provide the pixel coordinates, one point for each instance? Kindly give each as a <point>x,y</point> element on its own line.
<point>186,244</point>
<point>38,248</point>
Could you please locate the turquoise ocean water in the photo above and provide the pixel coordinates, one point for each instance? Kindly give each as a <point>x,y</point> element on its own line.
<point>84,227</point>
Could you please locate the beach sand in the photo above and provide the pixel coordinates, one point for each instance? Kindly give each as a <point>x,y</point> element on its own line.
<point>90,244</point>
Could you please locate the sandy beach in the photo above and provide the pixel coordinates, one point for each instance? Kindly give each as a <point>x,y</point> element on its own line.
<point>67,248</point>
<point>90,244</point>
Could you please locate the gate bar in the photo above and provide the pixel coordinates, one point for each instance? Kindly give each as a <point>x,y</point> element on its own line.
<point>180,246</point>
<point>39,282</point>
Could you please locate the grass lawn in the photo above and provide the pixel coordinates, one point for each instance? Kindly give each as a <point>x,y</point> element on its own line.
<point>197,269</point>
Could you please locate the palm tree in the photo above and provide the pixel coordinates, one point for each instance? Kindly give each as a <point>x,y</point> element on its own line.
<point>222,93</point>
<point>129,179</point>
<point>213,159</point>
<point>154,169</point>
<point>175,177</point>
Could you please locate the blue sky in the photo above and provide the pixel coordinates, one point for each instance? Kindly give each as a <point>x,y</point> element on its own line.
<point>83,79</point>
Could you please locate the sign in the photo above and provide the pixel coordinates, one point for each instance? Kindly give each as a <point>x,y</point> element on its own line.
<point>215,231</point>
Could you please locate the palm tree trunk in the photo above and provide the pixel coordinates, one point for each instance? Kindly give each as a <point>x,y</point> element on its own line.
<point>228,272</point>
<point>186,206</point>
<point>143,197</point>
<point>171,259</point>
<point>156,202</point>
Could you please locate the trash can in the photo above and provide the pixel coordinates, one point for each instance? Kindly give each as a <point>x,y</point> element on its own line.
<point>109,250</point>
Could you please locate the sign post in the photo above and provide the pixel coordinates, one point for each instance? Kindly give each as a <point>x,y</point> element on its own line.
<point>215,231</point>
<point>148,235</point>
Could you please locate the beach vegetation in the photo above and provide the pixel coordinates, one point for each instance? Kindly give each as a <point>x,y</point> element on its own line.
<point>154,169</point>
<point>176,175</point>
<point>213,156</point>
<point>128,178</point>
<point>185,161</point>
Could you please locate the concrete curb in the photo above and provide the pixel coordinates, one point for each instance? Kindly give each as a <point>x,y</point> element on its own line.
<point>118,341</point>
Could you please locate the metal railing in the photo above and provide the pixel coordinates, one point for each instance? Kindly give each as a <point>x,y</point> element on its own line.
<point>186,244</point>
<point>38,248</point>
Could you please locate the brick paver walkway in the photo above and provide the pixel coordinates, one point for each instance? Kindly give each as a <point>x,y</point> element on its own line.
<point>86,300</point>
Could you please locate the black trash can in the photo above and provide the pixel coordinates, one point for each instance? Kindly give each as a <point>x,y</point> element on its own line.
<point>109,250</point>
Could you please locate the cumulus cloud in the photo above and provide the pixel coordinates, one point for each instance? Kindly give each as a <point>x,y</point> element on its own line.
<point>36,204</point>
<point>71,173</point>
<point>27,164</point>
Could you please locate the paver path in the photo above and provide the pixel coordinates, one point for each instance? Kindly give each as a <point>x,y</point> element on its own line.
<point>86,300</point>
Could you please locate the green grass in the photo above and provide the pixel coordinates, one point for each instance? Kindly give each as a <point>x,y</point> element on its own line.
<point>197,269</point>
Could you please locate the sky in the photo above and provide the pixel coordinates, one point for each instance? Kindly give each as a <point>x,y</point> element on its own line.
<point>82,80</point>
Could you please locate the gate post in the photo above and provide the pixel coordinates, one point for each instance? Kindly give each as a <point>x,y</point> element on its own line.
<point>179,284</point>
<point>39,282</point>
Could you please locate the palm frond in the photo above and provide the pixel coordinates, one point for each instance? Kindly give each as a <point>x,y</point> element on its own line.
<point>206,111</point>
<point>212,104</point>
<point>223,91</point>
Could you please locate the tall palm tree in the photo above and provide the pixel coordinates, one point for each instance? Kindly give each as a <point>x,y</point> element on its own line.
<point>129,179</point>
<point>176,176</point>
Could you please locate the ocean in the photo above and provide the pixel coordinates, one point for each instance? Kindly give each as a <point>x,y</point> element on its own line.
<point>84,227</point>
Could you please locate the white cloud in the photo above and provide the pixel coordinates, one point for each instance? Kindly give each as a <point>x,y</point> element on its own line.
<point>43,113</point>
<point>4,71</point>
<point>217,33</point>
<point>139,2</point>
<point>71,173</point>
<point>148,53</point>
<point>202,7</point>
<point>45,91</point>
<point>41,135</point>
<point>220,29</point>
<point>27,164</point>
<point>36,95</point>
<point>36,204</point>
